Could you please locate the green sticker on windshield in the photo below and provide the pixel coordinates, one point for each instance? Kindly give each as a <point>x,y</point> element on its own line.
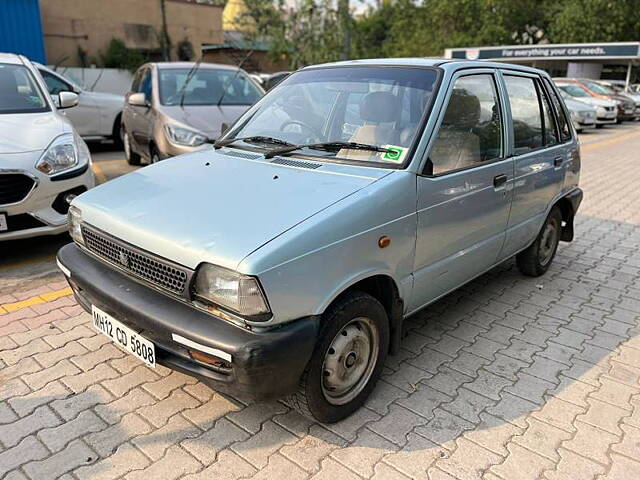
<point>395,154</point>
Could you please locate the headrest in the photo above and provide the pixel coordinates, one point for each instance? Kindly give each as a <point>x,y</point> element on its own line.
<point>379,107</point>
<point>8,82</point>
<point>463,110</point>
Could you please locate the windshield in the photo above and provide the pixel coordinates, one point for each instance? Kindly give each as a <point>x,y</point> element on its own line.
<point>574,90</point>
<point>600,89</point>
<point>206,87</point>
<point>19,92</point>
<point>373,106</point>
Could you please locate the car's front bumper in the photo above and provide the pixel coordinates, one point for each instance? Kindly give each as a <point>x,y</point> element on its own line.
<point>263,365</point>
<point>43,211</point>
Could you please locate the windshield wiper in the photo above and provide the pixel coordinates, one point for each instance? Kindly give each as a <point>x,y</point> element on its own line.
<point>190,75</point>
<point>254,139</point>
<point>329,147</point>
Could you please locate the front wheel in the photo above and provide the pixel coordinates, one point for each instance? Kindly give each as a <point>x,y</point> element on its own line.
<point>347,360</point>
<point>536,259</point>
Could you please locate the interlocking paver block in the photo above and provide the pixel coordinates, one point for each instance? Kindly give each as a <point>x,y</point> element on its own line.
<point>173,465</point>
<point>105,442</point>
<point>52,357</point>
<point>258,448</point>
<point>11,434</point>
<point>362,454</point>
<point>125,459</point>
<point>604,416</point>
<point>27,450</point>
<point>89,360</point>
<point>229,466</point>
<point>207,414</point>
<point>573,466</point>
<point>11,357</point>
<point>397,424</point>
<point>622,468</point>
<point>468,460</point>
<point>468,405</point>
<point>40,379</point>
<point>522,464</point>
<point>559,413</point>
<point>331,470</point>
<point>119,385</point>
<point>80,382</point>
<point>591,442</point>
<point>112,412</point>
<point>417,455</point>
<point>155,444</point>
<point>57,437</point>
<point>76,454</point>
<point>542,438</point>
<point>161,411</point>
<point>444,428</point>
<point>252,417</point>
<point>280,467</point>
<point>206,446</point>
<point>493,433</point>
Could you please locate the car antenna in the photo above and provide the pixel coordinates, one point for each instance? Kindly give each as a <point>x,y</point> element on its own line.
<point>239,66</point>
<point>183,89</point>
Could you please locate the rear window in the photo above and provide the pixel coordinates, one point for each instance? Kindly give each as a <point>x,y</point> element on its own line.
<point>19,92</point>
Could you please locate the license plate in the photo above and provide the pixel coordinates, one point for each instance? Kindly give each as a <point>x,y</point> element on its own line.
<point>124,337</point>
<point>3,222</point>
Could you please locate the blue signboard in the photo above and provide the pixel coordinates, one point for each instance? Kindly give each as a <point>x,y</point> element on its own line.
<point>21,29</point>
<point>542,52</point>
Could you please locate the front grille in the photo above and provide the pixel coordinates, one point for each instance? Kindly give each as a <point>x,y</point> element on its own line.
<point>155,270</point>
<point>14,187</point>
<point>23,221</point>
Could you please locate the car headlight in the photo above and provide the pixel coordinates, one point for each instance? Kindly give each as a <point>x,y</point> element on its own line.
<point>75,219</point>
<point>65,152</point>
<point>184,136</point>
<point>232,290</point>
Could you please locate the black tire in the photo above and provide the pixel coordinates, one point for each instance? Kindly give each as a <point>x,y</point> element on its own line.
<point>313,398</point>
<point>132,157</point>
<point>599,125</point>
<point>118,133</point>
<point>154,155</point>
<point>536,259</point>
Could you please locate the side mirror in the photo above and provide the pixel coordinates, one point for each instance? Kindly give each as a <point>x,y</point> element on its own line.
<point>67,100</point>
<point>138,100</point>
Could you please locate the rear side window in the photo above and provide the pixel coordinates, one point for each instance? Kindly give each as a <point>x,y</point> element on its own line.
<point>525,111</point>
<point>550,133</point>
<point>54,84</point>
<point>563,124</point>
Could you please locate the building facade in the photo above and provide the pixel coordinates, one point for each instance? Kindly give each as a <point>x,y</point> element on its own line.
<point>77,32</point>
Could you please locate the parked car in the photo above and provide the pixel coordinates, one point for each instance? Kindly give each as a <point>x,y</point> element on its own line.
<point>180,107</point>
<point>97,115</point>
<point>44,163</point>
<point>353,195</point>
<point>607,110</point>
<point>621,88</point>
<point>624,104</point>
<point>274,79</point>
<point>583,116</point>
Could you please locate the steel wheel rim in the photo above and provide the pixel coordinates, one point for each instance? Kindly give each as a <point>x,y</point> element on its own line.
<point>349,361</point>
<point>548,243</point>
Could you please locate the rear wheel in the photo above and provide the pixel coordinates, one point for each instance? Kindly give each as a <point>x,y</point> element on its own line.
<point>347,360</point>
<point>132,157</point>
<point>536,259</point>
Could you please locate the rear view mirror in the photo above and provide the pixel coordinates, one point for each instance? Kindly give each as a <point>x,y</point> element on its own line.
<point>67,100</point>
<point>137,99</point>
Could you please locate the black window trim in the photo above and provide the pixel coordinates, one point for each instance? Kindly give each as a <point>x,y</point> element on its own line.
<point>542,96</point>
<point>503,147</point>
<point>547,84</point>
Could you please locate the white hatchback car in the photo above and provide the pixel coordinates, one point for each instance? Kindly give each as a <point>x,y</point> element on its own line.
<point>44,163</point>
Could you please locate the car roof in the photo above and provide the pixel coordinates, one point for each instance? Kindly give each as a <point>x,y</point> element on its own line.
<point>218,66</point>
<point>11,58</point>
<point>446,63</point>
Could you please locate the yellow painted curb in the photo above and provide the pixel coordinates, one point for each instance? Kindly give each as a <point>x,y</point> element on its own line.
<point>37,300</point>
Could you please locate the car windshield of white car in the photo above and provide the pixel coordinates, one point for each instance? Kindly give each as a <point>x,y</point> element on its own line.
<point>206,86</point>
<point>575,90</point>
<point>378,108</point>
<point>19,92</point>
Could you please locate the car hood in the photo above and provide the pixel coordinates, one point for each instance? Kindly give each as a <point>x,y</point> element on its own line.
<point>28,132</point>
<point>578,106</point>
<point>207,119</point>
<point>212,207</point>
<point>596,102</point>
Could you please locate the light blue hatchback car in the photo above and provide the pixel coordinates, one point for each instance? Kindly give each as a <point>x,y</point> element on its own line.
<point>284,261</point>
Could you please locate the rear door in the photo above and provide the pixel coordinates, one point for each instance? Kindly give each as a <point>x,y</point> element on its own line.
<point>539,157</point>
<point>464,194</point>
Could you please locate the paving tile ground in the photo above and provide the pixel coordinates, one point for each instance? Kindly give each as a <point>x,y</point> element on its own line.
<point>507,378</point>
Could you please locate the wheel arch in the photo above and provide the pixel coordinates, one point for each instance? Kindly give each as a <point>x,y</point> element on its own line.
<point>383,288</point>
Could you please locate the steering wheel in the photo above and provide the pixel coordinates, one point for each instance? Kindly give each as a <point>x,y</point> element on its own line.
<point>316,136</point>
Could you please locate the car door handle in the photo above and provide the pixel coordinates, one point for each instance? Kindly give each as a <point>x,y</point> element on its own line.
<point>499,181</point>
<point>558,161</point>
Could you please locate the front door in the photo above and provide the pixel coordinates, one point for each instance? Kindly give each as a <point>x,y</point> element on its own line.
<point>464,195</point>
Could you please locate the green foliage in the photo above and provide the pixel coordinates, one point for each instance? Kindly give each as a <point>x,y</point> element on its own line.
<point>312,32</point>
<point>118,55</point>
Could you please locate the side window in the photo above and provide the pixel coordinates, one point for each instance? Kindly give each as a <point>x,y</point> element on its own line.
<point>471,130</point>
<point>54,84</point>
<point>145,85</point>
<point>525,111</point>
<point>565,132</point>
<point>549,121</point>
<point>135,85</point>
